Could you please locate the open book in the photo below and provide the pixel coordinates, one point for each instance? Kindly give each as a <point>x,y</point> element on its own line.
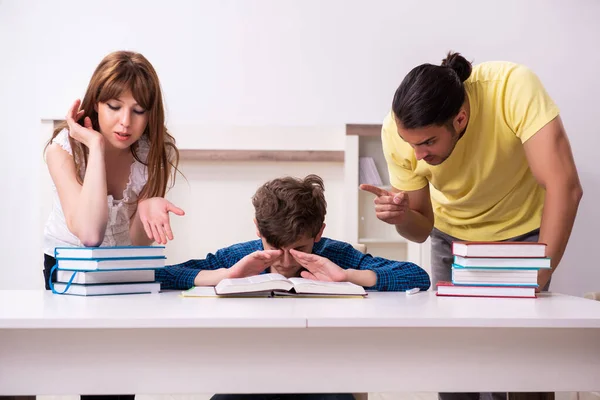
<point>276,284</point>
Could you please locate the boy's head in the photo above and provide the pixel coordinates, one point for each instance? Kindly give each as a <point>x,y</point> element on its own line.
<point>289,214</point>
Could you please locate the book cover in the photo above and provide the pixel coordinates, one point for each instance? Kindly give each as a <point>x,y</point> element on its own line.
<point>499,249</point>
<point>449,289</point>
<point>107,264</point>
<point>94,277</point>
<point>106,289</point>
<point>109,252</point>
<point>502,263</point>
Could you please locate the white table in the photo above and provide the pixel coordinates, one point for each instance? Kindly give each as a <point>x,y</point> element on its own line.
<point>164,343</point>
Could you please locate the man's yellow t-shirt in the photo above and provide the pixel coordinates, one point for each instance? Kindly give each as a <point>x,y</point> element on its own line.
<point>485,189</point>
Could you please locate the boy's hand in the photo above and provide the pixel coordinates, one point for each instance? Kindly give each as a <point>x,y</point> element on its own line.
<point>253,263</point>
<point>319,268</point>
<point>390,207</point>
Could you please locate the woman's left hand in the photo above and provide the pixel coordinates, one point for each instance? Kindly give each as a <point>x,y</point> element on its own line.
<point>154,215</point>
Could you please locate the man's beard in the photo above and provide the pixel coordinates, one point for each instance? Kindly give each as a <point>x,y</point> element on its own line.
<point>455,138</point>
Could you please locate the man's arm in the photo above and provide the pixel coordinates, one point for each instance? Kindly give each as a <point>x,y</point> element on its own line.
<point>409,211</point>
<point>551,161</point>
<point>418,222</point>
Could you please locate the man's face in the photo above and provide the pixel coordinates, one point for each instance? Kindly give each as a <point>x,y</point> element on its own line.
<point>432,144</point>
<point>287,265</point>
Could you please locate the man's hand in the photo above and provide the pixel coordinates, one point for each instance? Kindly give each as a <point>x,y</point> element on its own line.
<point>253,263</point>
<point>543,278</point>
<point>389,207</point>
<point>319,268</point>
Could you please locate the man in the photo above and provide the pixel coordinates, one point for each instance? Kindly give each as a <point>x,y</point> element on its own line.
<point>477,153</point>
<point>289,216</point>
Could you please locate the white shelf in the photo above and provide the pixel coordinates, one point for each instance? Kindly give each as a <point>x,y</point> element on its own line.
<point>400,239</point>
<point>384,187</point>
<point>362,224</point>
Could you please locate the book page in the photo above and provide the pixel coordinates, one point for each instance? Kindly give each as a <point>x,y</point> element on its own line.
<point>302,285</point>
<point>304,281</point>
<point>254,283</point>
<point>252,280</point>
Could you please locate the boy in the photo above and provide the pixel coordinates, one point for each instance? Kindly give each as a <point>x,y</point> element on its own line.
<point>289,216</point>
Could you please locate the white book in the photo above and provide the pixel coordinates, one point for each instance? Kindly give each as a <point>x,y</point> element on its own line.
<point>93,277</point>
<point>276,284</point>
<point>518,277</point>
<point>110,264</point>
<point>471,278</point>
<point>109,252</point>
<point>499,249</point>
<point>108,289</point>
<point>504,262</point>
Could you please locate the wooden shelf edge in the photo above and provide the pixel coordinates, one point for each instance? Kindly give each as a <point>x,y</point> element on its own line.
<point>381,241</point>
<point>363,129</point>
<point>250,155</point>
<point>384,187</point>
<point>263,155</point>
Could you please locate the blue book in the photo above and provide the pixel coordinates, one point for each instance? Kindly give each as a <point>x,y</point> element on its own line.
<point>110,264</point>
<point>507,263</point>
<point>109,252</point>
<point>107,289</point>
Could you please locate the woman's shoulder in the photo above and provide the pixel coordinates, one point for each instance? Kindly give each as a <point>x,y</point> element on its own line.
<point>62,139</point>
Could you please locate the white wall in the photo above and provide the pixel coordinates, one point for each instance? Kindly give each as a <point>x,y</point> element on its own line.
<point>280,63</point>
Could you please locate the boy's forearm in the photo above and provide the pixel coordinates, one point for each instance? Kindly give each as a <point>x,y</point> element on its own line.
<point>210,277</point>
<point>366,278</point>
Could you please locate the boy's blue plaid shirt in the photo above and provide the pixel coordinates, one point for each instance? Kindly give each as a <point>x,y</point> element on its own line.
<point>391,275</point>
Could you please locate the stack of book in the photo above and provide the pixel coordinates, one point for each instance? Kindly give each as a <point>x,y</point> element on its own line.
<point>495,269</point>
<point>96,271</point>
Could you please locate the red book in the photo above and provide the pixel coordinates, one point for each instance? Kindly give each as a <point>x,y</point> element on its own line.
<point>450,289</point>
<point>499,249</point>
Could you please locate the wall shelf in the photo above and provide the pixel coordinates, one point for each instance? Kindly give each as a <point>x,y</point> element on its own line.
<point>363,129</point>
<point>239,155</point>
<point>362,224</point>
<point>263,155</point>
<point>400,239</point>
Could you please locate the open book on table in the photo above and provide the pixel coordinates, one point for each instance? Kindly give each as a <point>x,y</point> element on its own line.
<point>269,285</point>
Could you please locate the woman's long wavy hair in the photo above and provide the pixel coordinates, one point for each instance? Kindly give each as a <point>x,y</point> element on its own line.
<point>117,73</point>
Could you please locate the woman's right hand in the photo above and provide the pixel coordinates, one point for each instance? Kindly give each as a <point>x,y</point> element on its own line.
<point>83,134</point>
